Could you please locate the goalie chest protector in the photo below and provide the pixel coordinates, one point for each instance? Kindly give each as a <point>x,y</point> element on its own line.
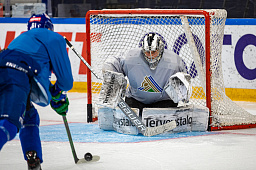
<point>149,83</point>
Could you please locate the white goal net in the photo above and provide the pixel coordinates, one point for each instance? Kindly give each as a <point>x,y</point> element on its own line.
<point>195,35</point>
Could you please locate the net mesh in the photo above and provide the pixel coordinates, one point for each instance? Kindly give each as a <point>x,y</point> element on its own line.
<point>115,34</point>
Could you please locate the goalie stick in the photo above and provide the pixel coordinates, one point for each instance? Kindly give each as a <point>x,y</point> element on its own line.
<point>93,158</point>
<point>146,131</point>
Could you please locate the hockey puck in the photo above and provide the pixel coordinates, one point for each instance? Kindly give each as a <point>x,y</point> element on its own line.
<point>88,156</point>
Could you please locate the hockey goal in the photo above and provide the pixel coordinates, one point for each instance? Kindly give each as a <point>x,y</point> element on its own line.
<point>195,35</point>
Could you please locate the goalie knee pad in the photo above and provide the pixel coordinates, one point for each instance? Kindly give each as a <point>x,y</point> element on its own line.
<point>123,124</point>
<point>105,118</point>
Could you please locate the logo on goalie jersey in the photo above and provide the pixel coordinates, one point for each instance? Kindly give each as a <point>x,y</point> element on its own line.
<point>150,85</point>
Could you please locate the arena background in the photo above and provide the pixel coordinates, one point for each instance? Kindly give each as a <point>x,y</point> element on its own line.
<point>238,52</point>
<point>233,149</point>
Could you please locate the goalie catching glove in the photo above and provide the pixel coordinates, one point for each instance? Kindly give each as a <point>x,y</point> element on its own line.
<point>113,87</point>
<point>179,87</point>
<point>59,101</point>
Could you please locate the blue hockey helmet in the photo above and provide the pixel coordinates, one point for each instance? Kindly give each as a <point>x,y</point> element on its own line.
<point>40,21</point>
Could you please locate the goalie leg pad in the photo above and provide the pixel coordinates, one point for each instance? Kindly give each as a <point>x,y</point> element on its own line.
<point>122,124</point>
<point>105,118</point>
<point>189,118</point>
<point>200,118</point>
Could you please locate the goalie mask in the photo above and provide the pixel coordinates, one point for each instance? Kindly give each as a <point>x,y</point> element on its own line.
<point>152,49</point>
<point>40,21</point>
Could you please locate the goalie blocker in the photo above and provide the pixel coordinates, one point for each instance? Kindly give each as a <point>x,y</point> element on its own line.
<point>179,87</point>
<point>187,118</point>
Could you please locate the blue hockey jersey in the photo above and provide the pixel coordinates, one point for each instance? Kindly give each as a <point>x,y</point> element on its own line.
<point>48,48</point>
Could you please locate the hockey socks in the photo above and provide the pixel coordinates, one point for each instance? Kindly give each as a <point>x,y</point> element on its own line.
<point>7,132</point>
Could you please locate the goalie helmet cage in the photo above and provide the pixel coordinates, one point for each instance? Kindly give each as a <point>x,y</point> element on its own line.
<point>195,35</point>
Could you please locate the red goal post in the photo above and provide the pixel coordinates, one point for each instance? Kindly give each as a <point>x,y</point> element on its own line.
<point>195,35</point>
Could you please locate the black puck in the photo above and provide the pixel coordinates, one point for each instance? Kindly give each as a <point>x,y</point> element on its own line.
<point>88,156</point>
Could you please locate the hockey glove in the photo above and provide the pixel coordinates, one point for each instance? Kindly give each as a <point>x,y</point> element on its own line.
<point>61,107</point>
<point>179,87</point>
<point>59,101</point>
<point>57,93</point>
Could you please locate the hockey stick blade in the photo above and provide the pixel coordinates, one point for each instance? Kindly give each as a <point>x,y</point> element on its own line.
<point>95,158</point>
<point>77,161</point>
<point>160,129</point>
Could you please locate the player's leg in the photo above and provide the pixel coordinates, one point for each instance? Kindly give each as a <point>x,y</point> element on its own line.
<point>7,131</point>
<point>30,139</point>
<point>14,90</point>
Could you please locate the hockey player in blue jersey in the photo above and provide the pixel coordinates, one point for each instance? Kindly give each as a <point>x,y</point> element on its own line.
<point>25,71</point>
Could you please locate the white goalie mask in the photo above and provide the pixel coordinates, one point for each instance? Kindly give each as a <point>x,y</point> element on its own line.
<point>152,49</point>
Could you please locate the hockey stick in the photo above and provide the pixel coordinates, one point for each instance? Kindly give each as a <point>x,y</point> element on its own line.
<point>87,157</point>
<point>81,58</point>
<point>146,131</point>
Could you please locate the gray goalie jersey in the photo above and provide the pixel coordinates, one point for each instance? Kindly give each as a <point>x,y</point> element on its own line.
<point>146,85</point>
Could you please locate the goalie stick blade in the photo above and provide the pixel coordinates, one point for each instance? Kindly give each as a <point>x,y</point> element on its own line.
<point>160,129</point>
<point>95,158</point>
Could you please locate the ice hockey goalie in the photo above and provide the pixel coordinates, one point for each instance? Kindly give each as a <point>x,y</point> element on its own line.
<point>188,117</point>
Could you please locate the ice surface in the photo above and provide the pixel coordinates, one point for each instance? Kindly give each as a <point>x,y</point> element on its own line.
<point>222,150</point>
